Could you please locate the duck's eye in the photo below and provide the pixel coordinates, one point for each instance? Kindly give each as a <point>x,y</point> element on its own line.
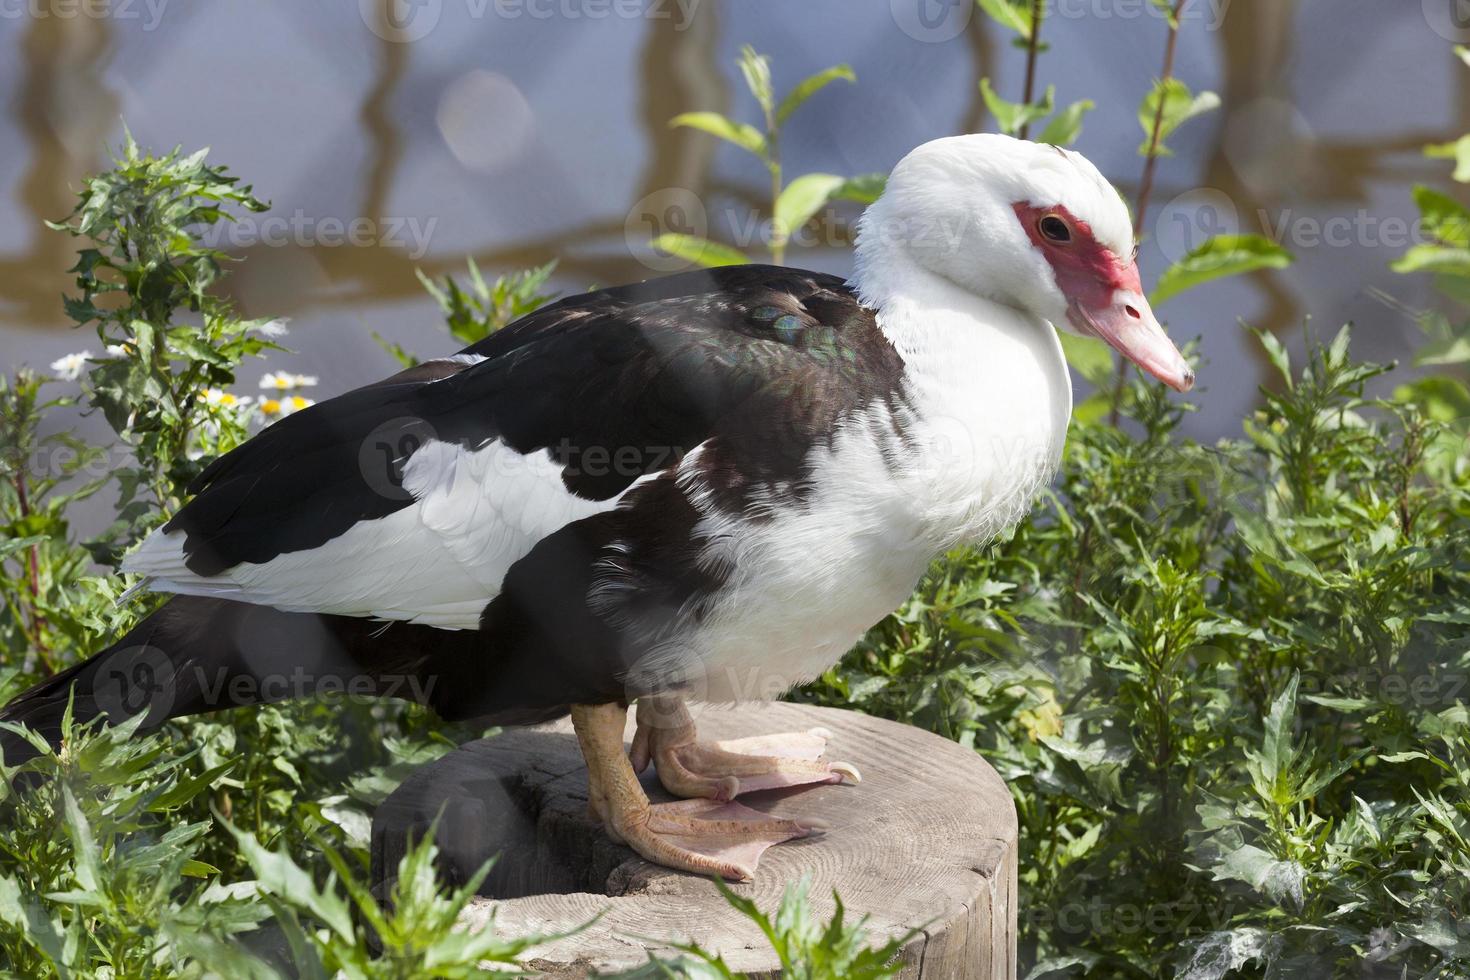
<point>1055,229</point>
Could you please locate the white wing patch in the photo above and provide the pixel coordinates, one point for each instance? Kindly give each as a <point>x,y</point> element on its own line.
<point>438,561</point>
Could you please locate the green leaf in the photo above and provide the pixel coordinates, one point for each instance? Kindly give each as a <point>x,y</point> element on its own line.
<point>1444,218</point>
<point>801,199</point>
<point>10,546</point>
<point>86,857</point>
<point>1220,256</point>
<point>864,188</point>
<point>700,251</point>
<point>279,875</point>
<point>29,918</point>
<point>1277,751</point>
<point>1434,258</point>
<point>1064,128</point>
<point>1179,106</point>
<point>743,135</point>
<point>757,71</point>
<point>188,342</point>
<point>1013,15</point>
<point>1458,151</point>
<point>1011,116</point>
<point>1443,399</point>
<point>1445,350</point>
<point>810,86</point>
<point>1091,358</point>
<point>198,869</point>
<point>1280,880</point>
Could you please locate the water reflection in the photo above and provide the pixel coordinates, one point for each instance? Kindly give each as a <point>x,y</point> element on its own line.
<point>587,102</point>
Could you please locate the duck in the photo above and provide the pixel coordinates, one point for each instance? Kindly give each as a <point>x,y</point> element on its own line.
<point>699,488</point>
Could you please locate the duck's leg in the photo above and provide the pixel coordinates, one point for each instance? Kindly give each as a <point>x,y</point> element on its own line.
<point>702,836</point>
<point>723,770</point>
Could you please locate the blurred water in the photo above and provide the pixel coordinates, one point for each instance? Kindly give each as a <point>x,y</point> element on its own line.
<point>518,131</point>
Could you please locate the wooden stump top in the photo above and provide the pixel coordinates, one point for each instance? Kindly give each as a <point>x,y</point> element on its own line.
<point>927,840</point>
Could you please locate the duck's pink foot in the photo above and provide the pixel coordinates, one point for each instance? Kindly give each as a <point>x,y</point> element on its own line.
<point>712,837</point>
<point>723,770</point>
<point>703,836</point>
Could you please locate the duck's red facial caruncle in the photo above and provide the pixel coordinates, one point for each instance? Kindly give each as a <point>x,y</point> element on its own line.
<point>1103,291</point>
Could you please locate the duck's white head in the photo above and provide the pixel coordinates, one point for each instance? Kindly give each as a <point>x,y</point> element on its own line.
<point>1029,225</point>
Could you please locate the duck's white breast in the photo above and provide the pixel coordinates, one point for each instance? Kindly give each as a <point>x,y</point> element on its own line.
<point>959,457</point>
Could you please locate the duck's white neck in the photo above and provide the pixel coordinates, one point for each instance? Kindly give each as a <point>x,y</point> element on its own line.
<point>983,376</point>
<point>926,316</point>
<point>905,295</point>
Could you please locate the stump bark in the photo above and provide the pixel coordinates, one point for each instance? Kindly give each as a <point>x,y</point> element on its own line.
<point>928,841</point>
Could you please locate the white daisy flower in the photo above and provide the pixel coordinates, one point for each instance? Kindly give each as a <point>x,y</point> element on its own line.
<point>276,408</point>
<point>70,367</point>
<point>285,381</point>
<point>225,399</point>
<point>295,403</point>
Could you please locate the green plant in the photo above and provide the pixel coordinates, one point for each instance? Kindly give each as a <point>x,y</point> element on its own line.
<point>331,928</point>
<point>792,204</point>
<point>474,315</point>
<point>1025,18</point>
<point>1202,670</point>
<point>1446,255</point>
<point>806,949</point>
<point>100,870</point>
<point>170,339</point>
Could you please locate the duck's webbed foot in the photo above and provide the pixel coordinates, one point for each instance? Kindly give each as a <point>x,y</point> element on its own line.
<point>702,836</point>
<point>722,770</point>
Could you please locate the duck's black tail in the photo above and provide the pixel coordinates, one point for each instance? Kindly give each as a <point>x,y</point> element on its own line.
<point>201,654</point>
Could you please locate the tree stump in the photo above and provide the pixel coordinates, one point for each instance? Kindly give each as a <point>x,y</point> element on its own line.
<point>928,840</point>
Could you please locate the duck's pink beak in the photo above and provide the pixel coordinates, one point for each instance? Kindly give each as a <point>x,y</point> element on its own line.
<point>1104,293</point>
<point>1122,318</point>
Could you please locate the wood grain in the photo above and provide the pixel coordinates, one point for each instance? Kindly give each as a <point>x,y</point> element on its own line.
<point>927,840</point>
